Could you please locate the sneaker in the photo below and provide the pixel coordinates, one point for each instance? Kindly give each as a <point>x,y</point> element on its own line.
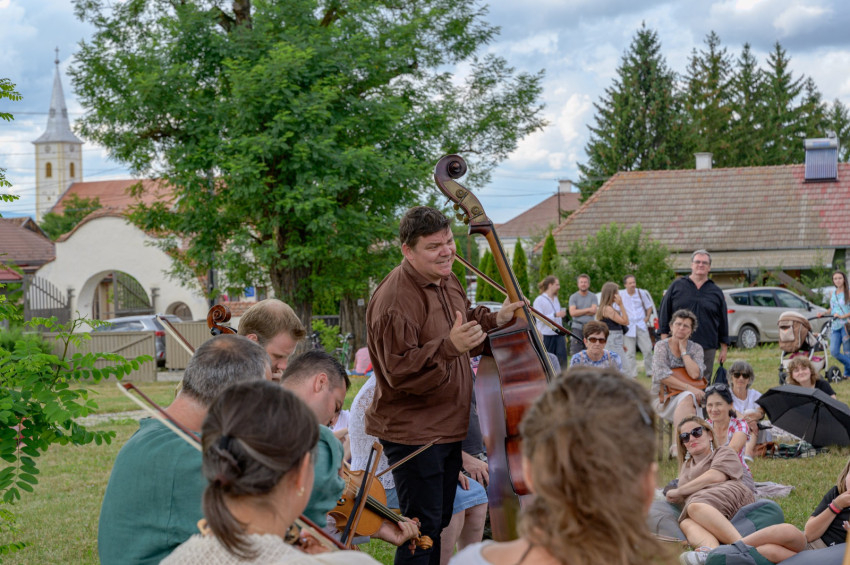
<point>698,557</point>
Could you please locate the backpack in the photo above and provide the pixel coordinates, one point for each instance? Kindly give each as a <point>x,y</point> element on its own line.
<point>738,553</point>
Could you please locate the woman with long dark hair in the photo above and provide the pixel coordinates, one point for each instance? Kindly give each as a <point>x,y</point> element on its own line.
<point>839,307</point>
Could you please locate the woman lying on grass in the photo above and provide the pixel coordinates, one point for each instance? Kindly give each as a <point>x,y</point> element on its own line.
<point>711,490</point>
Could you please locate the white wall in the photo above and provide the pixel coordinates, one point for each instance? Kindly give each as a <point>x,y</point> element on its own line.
<point>110,243</point>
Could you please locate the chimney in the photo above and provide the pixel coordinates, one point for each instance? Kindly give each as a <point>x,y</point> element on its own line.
<point>822,159</point>
<point>703,161</point>
<point>565,186</point>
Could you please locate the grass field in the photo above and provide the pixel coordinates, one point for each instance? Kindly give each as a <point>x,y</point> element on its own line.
<point>59,521</point>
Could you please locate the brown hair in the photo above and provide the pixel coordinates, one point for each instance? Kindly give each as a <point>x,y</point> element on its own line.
<point>313,362</point>
<point>269,318</point>
<point>685,314</point>
<point>842,478</point>
<point>246,456</point>
<point>846,289</point>
<point>595,327</point>
<point>801,361</point>
<point>681,451</point>
<point>546,283</point>
<point>587,504</point>
<point>606,298</point>
<point>419,221</point>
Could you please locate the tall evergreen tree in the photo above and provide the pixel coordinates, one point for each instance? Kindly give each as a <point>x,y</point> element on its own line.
<point>838,120</point>
<point>746,131</point>
<point>519,266</point>
<point>708,100</point>
<point>492,271</point>
<point>638,123</point>
<point>482,288</point>
<point>813,119</point>
<point>783,116</point>
<point>549,260</point>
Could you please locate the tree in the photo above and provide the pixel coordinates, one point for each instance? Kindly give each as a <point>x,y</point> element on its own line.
<point>492,271</point>
<point>638,123</point>
<point>813,113</point>
<point>614,252</point>
<point>838,121</point>
<point>294,132</point>
<point>708,100</point>
<point>519,266</point>
<point>7,91</point>
<point>76,208</point>
<point>746,130</point>
<point>783,117</point>
<point>549,259</point>
<point>482,288</point>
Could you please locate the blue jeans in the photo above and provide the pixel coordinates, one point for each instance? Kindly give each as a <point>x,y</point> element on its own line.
<point>836,341</point>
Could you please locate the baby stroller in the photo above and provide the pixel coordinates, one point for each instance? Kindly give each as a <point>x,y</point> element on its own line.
<point>797,338</point>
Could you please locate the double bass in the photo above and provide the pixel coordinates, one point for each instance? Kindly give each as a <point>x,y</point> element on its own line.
<point>514,369</point>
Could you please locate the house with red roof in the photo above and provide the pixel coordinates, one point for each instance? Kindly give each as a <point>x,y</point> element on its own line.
<point>24,245</point>
<point>785,219</point>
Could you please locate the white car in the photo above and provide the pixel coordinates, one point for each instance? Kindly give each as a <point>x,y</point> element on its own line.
<point>754,313</point>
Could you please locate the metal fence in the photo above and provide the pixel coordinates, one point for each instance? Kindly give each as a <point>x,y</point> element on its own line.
<point>127,344</point>
<point>42,299</point>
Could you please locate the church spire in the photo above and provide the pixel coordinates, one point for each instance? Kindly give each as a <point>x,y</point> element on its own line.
<point>58,126</point>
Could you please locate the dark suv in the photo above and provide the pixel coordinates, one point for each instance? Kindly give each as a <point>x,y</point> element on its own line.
<point>147,322</point>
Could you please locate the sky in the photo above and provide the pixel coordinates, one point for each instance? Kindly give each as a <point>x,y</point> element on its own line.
<point>578,43</point>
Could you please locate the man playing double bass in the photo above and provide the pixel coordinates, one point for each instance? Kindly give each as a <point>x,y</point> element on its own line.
<point>420,334</point>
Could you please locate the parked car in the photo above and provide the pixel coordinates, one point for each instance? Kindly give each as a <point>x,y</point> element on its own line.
<point>754,313</point>
<point>147,322</point>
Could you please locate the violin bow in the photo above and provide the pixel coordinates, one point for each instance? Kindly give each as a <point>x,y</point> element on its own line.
<point>561,330</point>
<point>172,331</point>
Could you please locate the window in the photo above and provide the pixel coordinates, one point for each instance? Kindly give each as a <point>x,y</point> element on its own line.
<point>788,300</point>
<point>741,298</point>
<point>762,298</point>
<point>48,170</point>
<point>72,170</point>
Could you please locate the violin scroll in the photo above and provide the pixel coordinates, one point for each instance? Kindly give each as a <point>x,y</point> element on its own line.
<point>448,169</point>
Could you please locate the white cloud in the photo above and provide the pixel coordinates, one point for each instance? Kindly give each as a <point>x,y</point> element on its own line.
<point>799,18</point>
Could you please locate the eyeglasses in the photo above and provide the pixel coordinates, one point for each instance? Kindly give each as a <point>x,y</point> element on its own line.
<point>740,376</point>
<point>701,263</point>
<point>596,339</point>
<point>712,388</point>
<point>696,432</point>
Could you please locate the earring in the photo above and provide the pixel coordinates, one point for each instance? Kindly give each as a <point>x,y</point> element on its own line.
<point>301,491</point>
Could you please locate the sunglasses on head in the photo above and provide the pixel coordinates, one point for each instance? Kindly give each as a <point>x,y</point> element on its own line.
<point>712,388</point>
<point>696,432</point>
<point>597,339</point>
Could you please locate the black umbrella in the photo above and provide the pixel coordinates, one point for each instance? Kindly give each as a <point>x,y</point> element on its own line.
<point>808,413</point>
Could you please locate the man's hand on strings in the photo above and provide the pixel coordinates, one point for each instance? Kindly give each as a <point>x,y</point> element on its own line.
<point>506,314</point>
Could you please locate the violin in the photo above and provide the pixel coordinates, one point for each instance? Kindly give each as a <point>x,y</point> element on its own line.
<point>375,510</point>
<point>514,369</point>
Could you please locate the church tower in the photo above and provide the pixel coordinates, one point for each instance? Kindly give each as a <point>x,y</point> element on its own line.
<point>58,153</point>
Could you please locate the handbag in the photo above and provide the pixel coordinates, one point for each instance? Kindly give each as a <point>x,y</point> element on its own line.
<point>666,392</point>
<point>720,376</point>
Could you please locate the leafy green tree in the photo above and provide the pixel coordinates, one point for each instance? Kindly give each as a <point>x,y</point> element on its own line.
<point>76,208</point>
<point>783,120</point>
<point>519,266</point>
<point>295,132</point>
<point>549,259</point>
<point>746,129</point>
<point>614,252</point>
<point>708,100</point>
<point>482,288</point>
<point>638,122</point>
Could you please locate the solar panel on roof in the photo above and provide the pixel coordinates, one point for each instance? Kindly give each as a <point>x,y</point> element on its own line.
<point>821,160</point>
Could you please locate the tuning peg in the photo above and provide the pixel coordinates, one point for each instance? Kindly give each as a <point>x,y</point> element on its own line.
<point>456,206</point>
<point>461,218</point>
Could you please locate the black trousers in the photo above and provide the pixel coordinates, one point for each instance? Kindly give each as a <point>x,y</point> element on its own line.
<point>426,487</point>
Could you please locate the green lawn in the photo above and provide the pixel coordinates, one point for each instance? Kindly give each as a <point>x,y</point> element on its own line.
<point>59,520</point>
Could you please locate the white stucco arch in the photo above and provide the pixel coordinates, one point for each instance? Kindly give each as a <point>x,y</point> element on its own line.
<point>106,242</point>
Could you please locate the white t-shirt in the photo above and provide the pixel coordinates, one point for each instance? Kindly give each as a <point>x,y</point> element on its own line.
<point>548,307</point>
<point>743,406</point>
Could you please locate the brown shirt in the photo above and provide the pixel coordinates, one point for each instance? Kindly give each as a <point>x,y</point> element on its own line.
<point>424,385</point>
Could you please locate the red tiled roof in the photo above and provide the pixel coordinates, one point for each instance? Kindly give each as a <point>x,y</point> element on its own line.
<point>538,218</point>
<point>22,246</point>
<point>116,193</point>
<point>754,208</point>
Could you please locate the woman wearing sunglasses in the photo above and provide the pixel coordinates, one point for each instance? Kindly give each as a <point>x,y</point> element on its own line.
<point>741,377</point>
<point>710,492</point>
<point>721,415</point>
<point>595,337</point>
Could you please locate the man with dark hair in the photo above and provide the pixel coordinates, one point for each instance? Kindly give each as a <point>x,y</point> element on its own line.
<point>698,293</point>
<point>319,380</point>
<point>420,334</point>
<point>275,326</point>
<point>152,503</point>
